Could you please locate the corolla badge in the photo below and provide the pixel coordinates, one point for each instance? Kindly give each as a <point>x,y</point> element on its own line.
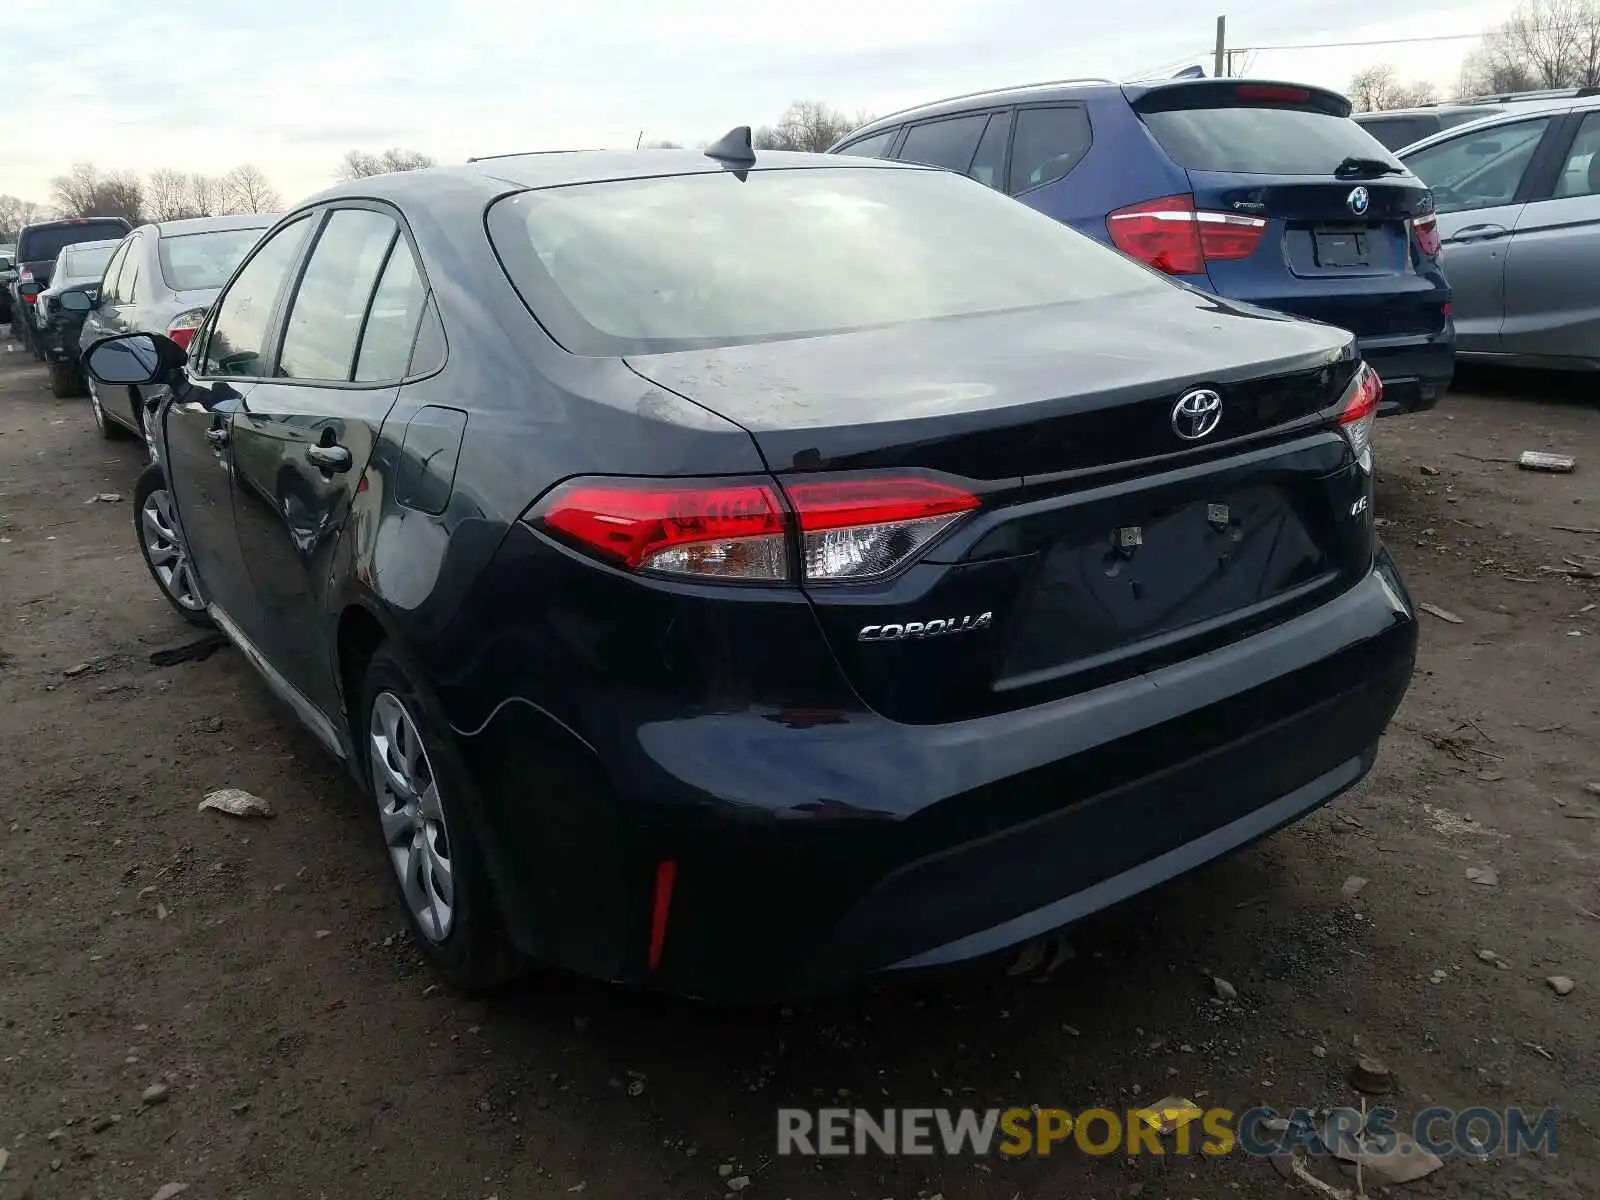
<point>925,629</point>
<point>1358,200</point>
<point>1196,414</point>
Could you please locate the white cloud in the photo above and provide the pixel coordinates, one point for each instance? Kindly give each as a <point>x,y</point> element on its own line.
<point>293,85</point>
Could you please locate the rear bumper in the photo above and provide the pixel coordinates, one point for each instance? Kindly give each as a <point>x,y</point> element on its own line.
<point>1416,371</point>
<point>809,854</point>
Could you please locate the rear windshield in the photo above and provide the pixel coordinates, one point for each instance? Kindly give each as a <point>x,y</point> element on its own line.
<point>1262,141</point>
<point>204,260</point>
<point>695,261</point>
<point>40,244</point>
<point>89,261</point>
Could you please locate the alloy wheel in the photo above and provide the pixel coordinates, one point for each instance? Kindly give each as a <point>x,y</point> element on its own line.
<point>412,817</point>
<point>165,548</point>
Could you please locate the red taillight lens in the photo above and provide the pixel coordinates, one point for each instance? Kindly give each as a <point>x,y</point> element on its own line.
<point>732,530</point>
<point>1358,412</point>
<point>861,528</point>
<point>1426,230</point>
<point>850,527</point>
<point>1169,235</point>
<point>30,297</point>
<point>183,326</point>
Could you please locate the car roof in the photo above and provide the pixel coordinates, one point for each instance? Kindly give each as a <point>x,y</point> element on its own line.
<point>1423,110</point>
<point>63,221</point>
<point>515,172</point>
<point>1520,112</point>
<point>187,225</point>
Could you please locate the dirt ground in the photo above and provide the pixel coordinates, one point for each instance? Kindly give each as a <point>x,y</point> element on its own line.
<point>260,970</point>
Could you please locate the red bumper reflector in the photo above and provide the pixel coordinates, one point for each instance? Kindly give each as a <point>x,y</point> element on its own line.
<point>666,876</point>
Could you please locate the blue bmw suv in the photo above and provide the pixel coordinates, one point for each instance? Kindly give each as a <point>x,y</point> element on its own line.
<point>1259,191</point>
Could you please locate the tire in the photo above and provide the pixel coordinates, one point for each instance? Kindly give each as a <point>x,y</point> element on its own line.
<point>463,935</point>
<point>109,429</point>
<point>34,348</point>
<point>65,382</point>
<point>162,548</point>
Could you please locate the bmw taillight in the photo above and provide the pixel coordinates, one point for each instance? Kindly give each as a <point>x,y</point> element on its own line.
<point>1358,413</point>
<point>1170,235</point>
<point>1426,231</point>
<point>816,528</point>
<point>182,327</point>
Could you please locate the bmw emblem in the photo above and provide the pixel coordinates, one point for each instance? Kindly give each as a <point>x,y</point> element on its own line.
<point>1196,414</point>
<point>1358,200</point>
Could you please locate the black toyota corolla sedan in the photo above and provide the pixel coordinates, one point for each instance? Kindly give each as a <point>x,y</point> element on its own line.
<point>744,574</point>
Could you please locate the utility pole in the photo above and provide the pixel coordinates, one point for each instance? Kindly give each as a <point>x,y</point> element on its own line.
<point>1220,65</point>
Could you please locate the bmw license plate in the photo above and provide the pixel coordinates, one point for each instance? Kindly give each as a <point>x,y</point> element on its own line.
<point>1340,248</point>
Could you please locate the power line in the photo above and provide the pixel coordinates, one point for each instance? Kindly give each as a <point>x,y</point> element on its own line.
<point>1438,37</point>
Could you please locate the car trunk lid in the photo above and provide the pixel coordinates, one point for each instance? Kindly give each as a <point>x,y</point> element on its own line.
<point>1108,541</point>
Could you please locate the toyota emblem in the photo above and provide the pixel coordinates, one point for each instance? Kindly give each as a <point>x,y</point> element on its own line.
<point>1358,200</point>
<point>1196,414</point>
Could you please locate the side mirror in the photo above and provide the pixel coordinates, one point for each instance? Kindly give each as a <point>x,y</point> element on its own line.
<point>5,263</point>
<point>75,302</point>
<point>134,358</point>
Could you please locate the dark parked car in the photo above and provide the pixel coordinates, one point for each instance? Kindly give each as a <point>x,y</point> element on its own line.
<point>743,574</point>
<point>1258,191</point>
<point>37,248</point>
<point>1397,128</point>
<point>8,276</point>
<point>78,268</point>
<point>162,280</point>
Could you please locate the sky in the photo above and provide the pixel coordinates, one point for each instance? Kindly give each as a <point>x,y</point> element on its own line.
<point>292,85</point>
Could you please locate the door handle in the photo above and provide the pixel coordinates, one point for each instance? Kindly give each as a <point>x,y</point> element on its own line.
<point>1479,233</point>
<point>217,435</point>
<point>328,458</point>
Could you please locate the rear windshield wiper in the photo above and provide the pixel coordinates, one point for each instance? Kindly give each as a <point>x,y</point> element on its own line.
<point>1356,167</point>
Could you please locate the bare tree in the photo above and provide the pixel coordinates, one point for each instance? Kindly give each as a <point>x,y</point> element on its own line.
<point>1544,44</point>
<point>167,195</point>
<point>207,197</point>
<point>807,125</point>
<point>14,214</point>
<point>1379,86</point>
<point>661,144</point>
<point>85,192</point>
<point>358,164</point>
<point>248,191</point>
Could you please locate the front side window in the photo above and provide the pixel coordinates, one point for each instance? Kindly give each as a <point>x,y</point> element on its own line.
<point>950,143</point>
<point>688,261</point>
<point>1481,169</point>
<point>324,325</point>
<point>876,146</point>
<point>108,281</point>
<point>238,334</point>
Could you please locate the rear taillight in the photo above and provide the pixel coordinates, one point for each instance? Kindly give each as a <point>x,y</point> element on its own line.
<point>1426,230</point>
<point>848,528</point>
<point>1358,413</point>
<point>26,275</point>
<point>181,328</point>
<point>1169,235</point>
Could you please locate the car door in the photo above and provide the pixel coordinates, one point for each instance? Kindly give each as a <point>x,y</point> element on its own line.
<point>95,325</point>
<point>1477,178</point>
<point>302,438</point>
<point>196,425</point>
<point>1553,263</point>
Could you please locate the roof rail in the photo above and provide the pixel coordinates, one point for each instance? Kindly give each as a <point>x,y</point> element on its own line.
<point>1021,87</point>
<point>523,153</point>
<point>1530,94</point>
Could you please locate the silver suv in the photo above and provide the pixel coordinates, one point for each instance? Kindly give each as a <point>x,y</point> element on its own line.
<point>1518,198</point>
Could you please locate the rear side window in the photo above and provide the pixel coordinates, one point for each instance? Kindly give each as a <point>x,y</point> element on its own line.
<point>36,245</point>
<point>319,340</point>
<point>1580,174</point>
<point>392,323</point>
<point>1397,132</point>
<point>1048,143</point>
<point>876,146</point>
<point>1261,140</point>
<point>1481,169</point>
<point>950,143</point>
